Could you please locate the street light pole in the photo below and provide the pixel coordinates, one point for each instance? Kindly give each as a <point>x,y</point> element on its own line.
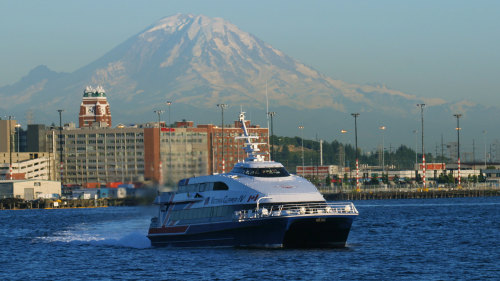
<point>458,145</point>
<point>343,150</point>
<point>484,134</point>
<point>159,112</point>
<point>271,114</point>
<point>383,151</point>
<point>416,149</point>
<point>60,143</point>
<point>18,126</point>
<point>302,139</point>
<point>169,170</point>
<point>421,105</point>
<point>122,148</point>
<point>10,146</point>
<point>222,106</point>
<point>355,115</point>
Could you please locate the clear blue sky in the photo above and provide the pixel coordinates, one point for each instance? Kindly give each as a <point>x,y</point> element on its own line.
<point>447,49</point>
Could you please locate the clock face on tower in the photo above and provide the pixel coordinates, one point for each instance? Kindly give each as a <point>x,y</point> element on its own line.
<point>91,109</point>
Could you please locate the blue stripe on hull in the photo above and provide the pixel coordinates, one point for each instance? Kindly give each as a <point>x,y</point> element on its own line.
<point>289,232</point>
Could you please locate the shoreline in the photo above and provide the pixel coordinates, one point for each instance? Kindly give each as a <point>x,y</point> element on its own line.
<point>44,204</point>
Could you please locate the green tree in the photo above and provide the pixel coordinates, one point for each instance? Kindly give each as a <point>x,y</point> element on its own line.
<point>345,181</point>
<point>418,178</point>
<point>451,179</point>
<point>328,180</point>
<point>481,178</point>
<point>385,178</point>
<point>374,179</point>
<point>396,179</point>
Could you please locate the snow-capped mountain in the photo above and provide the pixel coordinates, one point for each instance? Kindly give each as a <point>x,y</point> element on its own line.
<point>198,62</point>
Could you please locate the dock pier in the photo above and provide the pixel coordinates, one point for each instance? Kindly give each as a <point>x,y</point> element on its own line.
<point>20,204</point>
<point>417,194</point>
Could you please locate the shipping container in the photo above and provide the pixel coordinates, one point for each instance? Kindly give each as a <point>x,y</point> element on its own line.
<point>114,184</point>
<point>103,192</point>
<point>92,185</point>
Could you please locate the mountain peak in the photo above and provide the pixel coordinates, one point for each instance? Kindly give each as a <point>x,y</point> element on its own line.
<point>197,61</point>
<point>179,22</point>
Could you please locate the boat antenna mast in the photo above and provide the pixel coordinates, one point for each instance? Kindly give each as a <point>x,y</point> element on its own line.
<point>250,147</point>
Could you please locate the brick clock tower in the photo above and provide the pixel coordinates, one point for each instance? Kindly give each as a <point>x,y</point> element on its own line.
<point>94,108</point>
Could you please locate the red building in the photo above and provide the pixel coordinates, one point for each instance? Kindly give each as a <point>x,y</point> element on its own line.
<point>94,108</point>
<point>232,148</point>
<point>213,148</point>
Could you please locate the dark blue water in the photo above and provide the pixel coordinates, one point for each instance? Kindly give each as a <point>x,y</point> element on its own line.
<point>432,239</point>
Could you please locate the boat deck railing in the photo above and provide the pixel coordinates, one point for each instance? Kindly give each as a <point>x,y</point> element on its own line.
<point>305,209</point>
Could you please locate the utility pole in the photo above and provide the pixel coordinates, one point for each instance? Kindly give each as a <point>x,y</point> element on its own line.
<point>416,149</point>
<point>302,139</point>
<point>473,155</point>
<point>10,146</point>
<point>343,150</point>
<point>442,153</point>
<point>60,144</point>
<point>458,145</point>
<point>383,151</point>
<point>423,151</point>
<point>390,155</point>
<point>355,115</point>
<point>169,170</point>
<point>160,168</point>
<point>485,157</point>
<point>321,152</point>
<point>222,106</point>
<point>436,153</point>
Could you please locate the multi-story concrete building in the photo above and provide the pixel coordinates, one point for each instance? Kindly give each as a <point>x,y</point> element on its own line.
<point>183,153</point>
<point>96,154</point>
<point>320,172</point>
<point>226,150</point>
<point>27,165</point>
<point>100,154</point>
<point>188,151</point>
<point>7,133</point>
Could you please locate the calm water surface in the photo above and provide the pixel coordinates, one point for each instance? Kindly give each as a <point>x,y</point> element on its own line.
<point>432,239</point>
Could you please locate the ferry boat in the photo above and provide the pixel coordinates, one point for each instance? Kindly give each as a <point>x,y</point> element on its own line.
<point>257,204</point>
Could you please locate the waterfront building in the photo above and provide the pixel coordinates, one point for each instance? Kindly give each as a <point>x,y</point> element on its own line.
<point>36,138</point>
<point>96,154</point>
<point>319,172</point>
<point>99,154</point>
<point>229,148</point>
<point>183,153</point>
<point>29,189</point>
<point>7,133</point>
<point>15,164</point>
<point>26,165</point>
<point>188,151</point>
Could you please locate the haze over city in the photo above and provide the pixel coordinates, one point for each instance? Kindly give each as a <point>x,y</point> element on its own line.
<point>444,50</point>
<point>249,140</point>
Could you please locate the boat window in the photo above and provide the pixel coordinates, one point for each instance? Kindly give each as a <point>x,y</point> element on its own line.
<point>198,213</point>
<point>220,186</point>
<point>262,172</point>
<point>221,211</point>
